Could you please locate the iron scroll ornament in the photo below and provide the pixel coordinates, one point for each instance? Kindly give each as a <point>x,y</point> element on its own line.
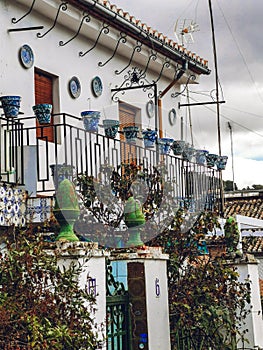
<point>62,7</point>
<point>85,18</point>
<point>176,94</point>
<point>134,79</point>
<point>14,20</point>
<point>122,39</point>
<point>104,29</point>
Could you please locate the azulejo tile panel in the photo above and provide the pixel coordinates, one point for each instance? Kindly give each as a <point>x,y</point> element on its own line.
<point>39,209</point>
<point>12,206</point>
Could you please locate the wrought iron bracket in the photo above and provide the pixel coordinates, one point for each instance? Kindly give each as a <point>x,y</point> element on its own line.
<point>24,29</point>
<point>122,39</point>
<point>166,64</point>
<point>176,94</point>
<point>14,20</point>
<point>85,18</point>
<point>198,103</point>
<point>136,48</point>
<point>62,7</point>
<point>153,56</point>
<point>105,29</point>
<point>133,80</point>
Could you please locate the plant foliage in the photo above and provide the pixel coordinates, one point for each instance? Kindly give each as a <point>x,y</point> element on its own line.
<point>41,304</point>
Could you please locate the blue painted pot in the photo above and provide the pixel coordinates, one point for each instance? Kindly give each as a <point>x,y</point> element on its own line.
<point>200,156</point>
<point>178,147</point>
<point>10,105</point>
<point>111,127</point>
<point>131,133</point>
<point>43,112</point>
<point>188,153</point>
<point>60,172</point>
<point>164,145</point>
<point>91,120</point>
<point>221,162</point>
<point>149,138</point>
<point>211,159</point>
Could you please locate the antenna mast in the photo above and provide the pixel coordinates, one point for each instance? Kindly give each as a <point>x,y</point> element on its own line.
<point>217,105</point>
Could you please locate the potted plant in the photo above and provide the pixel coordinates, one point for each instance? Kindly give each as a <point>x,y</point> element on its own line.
<point>188,152</point>
<point>200,156</point>
<point>43,112</point>
<point>131,133</point>
<point>178,147</point>
<point>111,127</point>
<point>91,120</point>
<point>149,137</point>
<point>10,105</point>
<point>164,145</point>
<point>60,172</point>
<point>211,159</point>
<point>221,162</point>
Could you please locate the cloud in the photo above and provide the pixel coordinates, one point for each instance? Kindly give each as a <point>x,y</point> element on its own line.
<point>247,172</point>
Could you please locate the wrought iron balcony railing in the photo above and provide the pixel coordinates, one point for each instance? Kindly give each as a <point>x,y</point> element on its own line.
<point>27,156</point>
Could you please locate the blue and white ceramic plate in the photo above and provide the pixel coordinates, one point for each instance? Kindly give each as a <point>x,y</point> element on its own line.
<point>172,116</point>
<point>74,87</point>
<point>150,109</point>
<point>26,56</point>
<point>96,85</point>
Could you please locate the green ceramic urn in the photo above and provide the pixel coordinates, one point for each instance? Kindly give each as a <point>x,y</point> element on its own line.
<point>66,210</point>
<point>134,219</point>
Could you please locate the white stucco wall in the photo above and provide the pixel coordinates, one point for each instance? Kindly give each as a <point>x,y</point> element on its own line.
<point>64,62</point>
<point>254,321</point>
<point>157,304</point>
<point>93,267</point>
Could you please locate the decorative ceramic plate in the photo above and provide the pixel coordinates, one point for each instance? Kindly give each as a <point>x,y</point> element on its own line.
<point>74,87</point>
<point>26,56</point>
<point>150,109</point>
<point>172,116</point>
<point>96,85</point>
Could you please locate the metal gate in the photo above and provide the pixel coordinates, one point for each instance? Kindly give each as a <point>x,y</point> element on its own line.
<point>118,313</point>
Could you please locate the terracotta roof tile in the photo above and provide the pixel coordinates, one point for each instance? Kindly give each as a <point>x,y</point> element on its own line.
<point>252,207</point>
<point>253,244</point>
<point>151,31</point>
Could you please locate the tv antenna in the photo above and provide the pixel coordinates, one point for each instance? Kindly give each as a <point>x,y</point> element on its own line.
<point>183,31</point>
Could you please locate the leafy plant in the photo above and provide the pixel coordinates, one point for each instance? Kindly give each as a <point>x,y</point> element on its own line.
<point>41,304</point>
<point>207,302</point>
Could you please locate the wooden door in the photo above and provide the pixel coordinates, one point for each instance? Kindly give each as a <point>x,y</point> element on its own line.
<point>44,94</point>
<point>127,115</point>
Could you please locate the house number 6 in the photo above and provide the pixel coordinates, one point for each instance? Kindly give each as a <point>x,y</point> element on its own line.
<point>157,287</point>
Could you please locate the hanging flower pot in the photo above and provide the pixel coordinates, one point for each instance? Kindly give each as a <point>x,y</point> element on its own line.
<point>60,172</point>
<point>131,133</point>
<point>149,138</point>
<point>200,156</point>
<point>178,147</point>
<point>43,112</point>
<point>111,127</point>
<point>164,145</point>
<point>188,152</point>
<point>10,105</point>
<point>211,159</point>
<point>221,162</point>
<point>91,120</point>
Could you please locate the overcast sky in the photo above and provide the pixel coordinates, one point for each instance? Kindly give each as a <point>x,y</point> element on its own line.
<point>239,45</point>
